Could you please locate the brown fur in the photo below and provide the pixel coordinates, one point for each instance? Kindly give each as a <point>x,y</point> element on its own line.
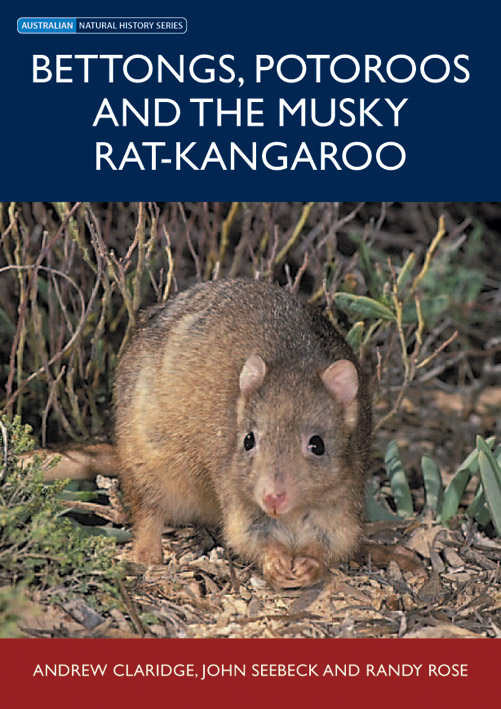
<point>219,361</point>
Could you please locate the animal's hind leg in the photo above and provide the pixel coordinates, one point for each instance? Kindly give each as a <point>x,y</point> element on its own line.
<point>147,545</point>
<point>148,514</point>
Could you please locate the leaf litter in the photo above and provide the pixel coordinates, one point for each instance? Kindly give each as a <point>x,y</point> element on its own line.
<point>453,590</point>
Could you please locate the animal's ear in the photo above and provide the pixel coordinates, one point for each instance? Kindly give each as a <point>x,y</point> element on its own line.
<point>341,380</point>
<point>252,374</point>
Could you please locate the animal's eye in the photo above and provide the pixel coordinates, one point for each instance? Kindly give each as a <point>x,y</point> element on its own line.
<point>316,445</point>
<point>249,441</point>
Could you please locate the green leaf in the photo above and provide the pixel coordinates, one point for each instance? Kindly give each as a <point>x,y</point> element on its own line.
<point>482,516</point>
<point>354,336</point>
<point>398,480</point>
<point>471,460</point>
<point>457,485</point>
<point>433,485</point>
<point>454,493</point>
<point>120,535</point>
<point>376,511</point>
<point>490,474</point>
<point>361,306</point>
<point>478,507</point>
<point>486,448</point>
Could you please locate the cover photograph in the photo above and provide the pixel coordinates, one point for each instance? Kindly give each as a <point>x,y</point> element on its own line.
<point>250,352</point>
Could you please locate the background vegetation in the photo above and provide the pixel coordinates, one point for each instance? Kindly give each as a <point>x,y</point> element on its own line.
<point>415,288</point>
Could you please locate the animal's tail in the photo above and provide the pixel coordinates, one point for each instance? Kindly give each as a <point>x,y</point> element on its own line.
<point>79,463</point>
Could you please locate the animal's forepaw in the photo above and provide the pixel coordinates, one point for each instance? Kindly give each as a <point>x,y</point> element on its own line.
<point>308,570</point>
<point>282,570</point>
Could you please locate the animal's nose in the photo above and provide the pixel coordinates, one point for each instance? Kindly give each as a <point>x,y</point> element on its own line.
<point>275,503</point>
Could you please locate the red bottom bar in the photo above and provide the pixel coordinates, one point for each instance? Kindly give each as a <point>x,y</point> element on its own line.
<point>248,673</point>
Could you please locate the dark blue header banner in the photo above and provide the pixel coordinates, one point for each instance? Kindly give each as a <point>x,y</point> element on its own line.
<point>373,101</point>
